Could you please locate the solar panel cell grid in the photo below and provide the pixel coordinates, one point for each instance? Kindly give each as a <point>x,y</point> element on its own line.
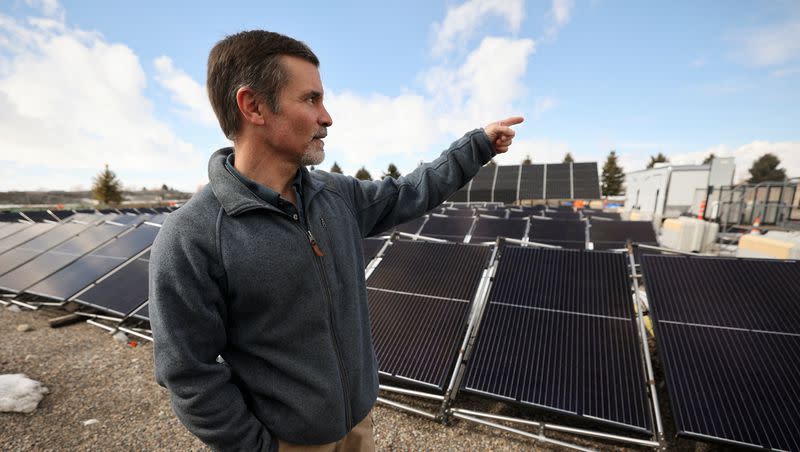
<point>558,181</point>
<point>532,182</point>
<point>621,231</point>
<point>411,227</point>
<point>488,229</point>
<point>121,292</point>
<point>586,183</point>
<point>558,333</point>
<point>505,189</point>
<point>558,230</point>
<point>12,228</point>
<point>453,229</point>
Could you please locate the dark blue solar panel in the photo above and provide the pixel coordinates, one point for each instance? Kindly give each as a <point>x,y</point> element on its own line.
<point>452,229</point>
<point>121,292</point>
<point>559,333</point>
<point>728,335</point>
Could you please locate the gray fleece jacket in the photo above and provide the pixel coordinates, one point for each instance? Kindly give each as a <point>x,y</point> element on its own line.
<point>284,303</point>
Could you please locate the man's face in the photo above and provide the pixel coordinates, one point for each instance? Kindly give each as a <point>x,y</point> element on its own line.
<point>296,131</point>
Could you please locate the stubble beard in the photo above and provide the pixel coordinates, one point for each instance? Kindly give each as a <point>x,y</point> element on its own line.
<point>314,155</point>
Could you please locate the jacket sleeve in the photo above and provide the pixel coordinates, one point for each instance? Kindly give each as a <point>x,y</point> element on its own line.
<point>380,205</point>
<point>188,317</point>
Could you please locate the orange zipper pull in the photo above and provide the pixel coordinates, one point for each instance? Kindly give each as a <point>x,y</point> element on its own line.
<point>314,245</point>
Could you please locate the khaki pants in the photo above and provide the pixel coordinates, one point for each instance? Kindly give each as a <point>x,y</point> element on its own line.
<point>359,439</point>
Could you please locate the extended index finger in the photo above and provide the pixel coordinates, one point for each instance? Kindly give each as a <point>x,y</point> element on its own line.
<point>514,120</point>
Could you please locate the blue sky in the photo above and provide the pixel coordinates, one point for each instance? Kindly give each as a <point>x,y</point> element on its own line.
<point>84,83</point>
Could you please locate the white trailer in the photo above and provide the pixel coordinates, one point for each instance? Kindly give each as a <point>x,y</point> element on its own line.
<point>667,190</point>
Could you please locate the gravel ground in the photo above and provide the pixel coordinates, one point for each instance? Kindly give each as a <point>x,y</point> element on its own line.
<point>92,376</point>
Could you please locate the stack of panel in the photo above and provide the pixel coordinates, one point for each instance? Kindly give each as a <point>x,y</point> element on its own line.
<point>122,291</point>
<point>53,259</point>
<point>482,183</point>
<point>563,233</point>
<point>531,184</point>
<point>71,279</point>
<point>506,183</point>
<point>559,333</point>
<point>729,336</point>
<point>585,182</point>
<point>453,229</point>
<point>488,229</point>
<point>608,235</point>
<point>419,302</point>
<point>559,181</point>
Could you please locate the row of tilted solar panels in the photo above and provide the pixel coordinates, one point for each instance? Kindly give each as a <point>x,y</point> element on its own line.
<point>513,183</point>
<point>558,331</point>
<point>40,216</point>
<point>563,229</point>
<point>98,260</point>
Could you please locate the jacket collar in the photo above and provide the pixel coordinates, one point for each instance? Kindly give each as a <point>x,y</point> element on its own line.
<point>236,198</point>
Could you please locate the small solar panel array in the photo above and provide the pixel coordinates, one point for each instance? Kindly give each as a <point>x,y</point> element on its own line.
<point>92,259</point>
<point>512,183</point>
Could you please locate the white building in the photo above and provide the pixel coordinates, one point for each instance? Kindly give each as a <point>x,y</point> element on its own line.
<point>668,190</point>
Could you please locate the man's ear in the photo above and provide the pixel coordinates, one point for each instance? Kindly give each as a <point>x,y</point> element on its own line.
<point>250,106</point>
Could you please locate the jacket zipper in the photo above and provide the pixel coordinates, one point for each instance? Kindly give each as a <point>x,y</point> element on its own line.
<point>342,370</point>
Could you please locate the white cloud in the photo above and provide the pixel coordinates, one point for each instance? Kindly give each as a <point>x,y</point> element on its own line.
<point>543,104</point>
<point>786,72</point>
<point>560,13</point>
<point>50,8</point>
<point>185,91</point>
<point>787,151</point>
<point>772,45</point>
<point>373,130</point>
<point>540,151</point>
<point>69,100</point>
<point>461,21</point>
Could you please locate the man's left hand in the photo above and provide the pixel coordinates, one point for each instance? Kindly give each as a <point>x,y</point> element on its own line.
<point>501,134</point>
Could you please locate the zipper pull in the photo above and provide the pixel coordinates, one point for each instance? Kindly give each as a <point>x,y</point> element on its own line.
<point>314,245</point>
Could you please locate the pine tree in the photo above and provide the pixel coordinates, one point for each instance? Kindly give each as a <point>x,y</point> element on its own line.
<point>527,160</point>
<point>568,158</point>
<point>660,158</point>
<point>766,169</point>
<point>392,172</point>
<point>335,168</point>
<point>363,174</point>
<point>709,158</point>
<point>612,176</point>
<point>106,188</point>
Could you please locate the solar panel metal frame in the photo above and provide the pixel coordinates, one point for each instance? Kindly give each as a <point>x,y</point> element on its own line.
<point>702,330</point>
<point>428,264</point>
<point>621,288</point>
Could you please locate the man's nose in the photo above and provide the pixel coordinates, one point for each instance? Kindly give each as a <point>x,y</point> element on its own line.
<point>325,119</point>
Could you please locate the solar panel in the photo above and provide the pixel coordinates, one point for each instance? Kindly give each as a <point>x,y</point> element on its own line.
<point>488,229</point>
<point>564,233</point>
<point>728,335</point>
<point>559,333</point>
<point>614,234</point>
<point>39,216</point>
<point>563,215</point>
<point>460,195</point>
<point>54,259</point>
<point>531,182</point>
<point>451,212</point>
<point>62,214</point>
<point>505,188</point>
<point>419,300</point>
<point>411,227</point>
<point>45,238</point>
<point>482,183</point>
<point>453,229</point>
<point>585,181</point>
<point>558,181</point>
<point>122,291</point>
<point>71,279</point>
<point>12,228</point>
<point>371,247</point>
<point>11,216</point>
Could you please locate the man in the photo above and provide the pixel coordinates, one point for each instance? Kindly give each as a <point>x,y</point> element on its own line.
<point>264,267</point>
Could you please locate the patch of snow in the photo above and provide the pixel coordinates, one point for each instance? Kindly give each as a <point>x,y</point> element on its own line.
<point>120,336</point>
<point>90,422</point>
<point>20,394</point>
<point>14,308</point>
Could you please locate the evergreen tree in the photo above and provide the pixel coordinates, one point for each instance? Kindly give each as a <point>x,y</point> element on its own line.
<point>363,174</point>
<point>335,168</point>
<point>766,169</point>
<point>392,172</point>
<point>612,176</point>
<point>106,188</point>
<point>660,158</point>
<point>708,158</point>
<point>568,158</point>
<point>527,160</point>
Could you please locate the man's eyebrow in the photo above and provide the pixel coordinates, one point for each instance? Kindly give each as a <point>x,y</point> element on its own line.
<point>313,94</point>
